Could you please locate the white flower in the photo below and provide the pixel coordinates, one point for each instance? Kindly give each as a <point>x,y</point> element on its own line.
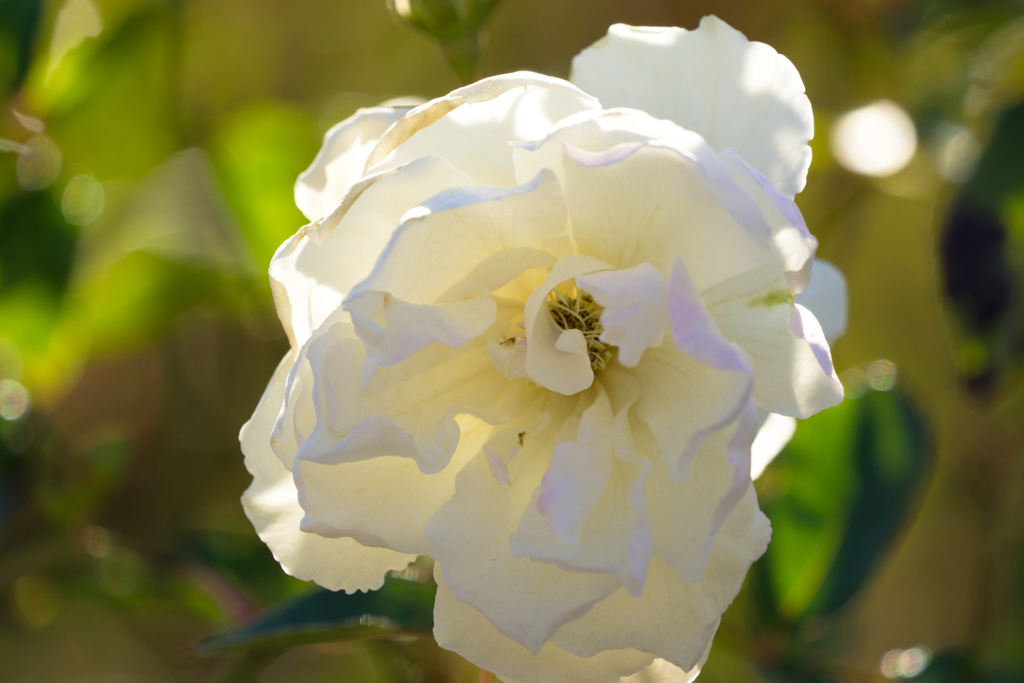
<point>530,331</point>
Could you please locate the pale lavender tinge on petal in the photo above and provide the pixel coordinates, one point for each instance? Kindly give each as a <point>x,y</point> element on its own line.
<point>804,325</point>
<point>578,473</point>
<point>693,328</point>
<point>634,301</point>
<point>738,452</point>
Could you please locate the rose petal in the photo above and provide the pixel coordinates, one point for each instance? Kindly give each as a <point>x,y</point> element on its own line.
<point>590,511</point>
<point>462,629</point>
<point>271,503</point>
<point>470,241</point>
<point>392,330</point>
<point>637,203</point>
<point>684,402</point>
<point>341,159</point>
<point>410,414</point>
<point>383,501</point>
<point>472,126</point>
<point>793,372</point>
<point>675,619</point>
<point>773,435</point>
<point>557,359</point>
<point>733,92</point>
<point>312,271</point>
<point>793,244</point>
<point>635,308</point>
<point>527,601</point>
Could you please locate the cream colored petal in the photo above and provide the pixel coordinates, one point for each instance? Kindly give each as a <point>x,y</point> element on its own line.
<point>684,402</point>
<point>526,600</point>
<point>773,435</point>
<point>598,130</point>
<point>557,359</point>
<point>462,629</point>
<point>793,373</point>
<point>392,329</point>
<point>635,304</point>
<point>792,243</point>
<point>638,203</point>
<point>341,159</point>
<point>271,503</point>
<point>472,126</point>
<point>472,240</point>
<point>313,270</point>
<point>712,80</point>
<point>675,619</point>
<point>410,414</point>
<point>383,501</point>
<point>590,511</point>
<point>663,671</point>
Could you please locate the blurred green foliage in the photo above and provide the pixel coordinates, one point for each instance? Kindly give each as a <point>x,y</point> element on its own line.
<point>148,150</point>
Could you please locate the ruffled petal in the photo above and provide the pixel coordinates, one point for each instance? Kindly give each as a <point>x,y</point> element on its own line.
<point>557,359</point>
<point>471,241</point>
<point>675,619</point>
<point>383,501</point>
<point>459,627</point>
<point>685,401</point>
<point>733,92</point>
<point>392,330</point>
<point>640,203</point>
<point>472,126</point>
<point>313,270</point>
<point>635,302</point>
<point>590,511</point>
<point>407,410</point>
<point>271,503</point>
<point>341,159</point>
<point>663,671</point>
<point>793,245</point>
<point>793,373</point>
<point>526,600</point>
<point>772,436</point>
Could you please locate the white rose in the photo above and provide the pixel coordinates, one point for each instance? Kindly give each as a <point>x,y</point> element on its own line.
<point>529,334</point>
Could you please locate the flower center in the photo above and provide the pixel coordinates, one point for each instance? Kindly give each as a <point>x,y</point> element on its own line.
<point>577,310</point>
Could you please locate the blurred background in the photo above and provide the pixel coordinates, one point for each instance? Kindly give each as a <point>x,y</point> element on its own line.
<point>148,150</point>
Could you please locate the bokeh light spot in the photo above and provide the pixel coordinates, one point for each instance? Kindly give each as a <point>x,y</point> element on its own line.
<point>958,152</point>
<point>97,541</point>
<point>35,601</point>
<point>83,200</point>
<point>14,400</point>
<point>877,140</point>
<point>38,163</point>
<point>880,375</point>
<point>905,663</point>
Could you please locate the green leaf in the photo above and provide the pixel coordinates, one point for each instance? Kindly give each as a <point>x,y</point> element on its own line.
<point>399,608</point>
<point>258,152</point>
<point>982,254</point>
<point>837,496</point>
<point>19,24</point>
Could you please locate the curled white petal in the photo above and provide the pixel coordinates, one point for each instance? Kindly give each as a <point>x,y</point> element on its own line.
<point>271,503</point>
<point>712,80</point>
<point>341,159</point>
